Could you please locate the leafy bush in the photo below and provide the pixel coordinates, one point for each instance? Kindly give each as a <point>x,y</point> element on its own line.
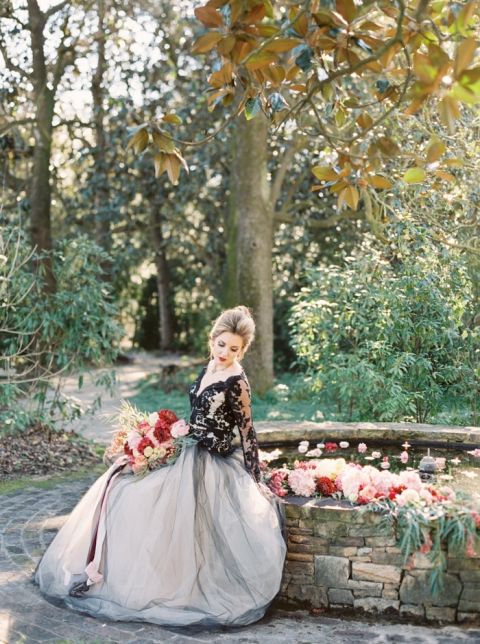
<point>389,336</point>
<point>46,336</point>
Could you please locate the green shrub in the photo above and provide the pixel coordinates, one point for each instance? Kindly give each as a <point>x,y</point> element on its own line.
<point>46,336</point>
<point>388,337</point>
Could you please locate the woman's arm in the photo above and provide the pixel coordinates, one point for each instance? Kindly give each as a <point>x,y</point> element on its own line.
<point>240,402</point>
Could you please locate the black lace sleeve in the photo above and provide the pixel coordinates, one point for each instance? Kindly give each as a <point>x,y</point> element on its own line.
<point>240,402</point>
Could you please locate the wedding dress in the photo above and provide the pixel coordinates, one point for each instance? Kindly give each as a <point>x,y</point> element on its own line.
<point>196,542</point>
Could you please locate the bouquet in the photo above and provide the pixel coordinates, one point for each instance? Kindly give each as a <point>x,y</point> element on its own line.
<point>146,442</point>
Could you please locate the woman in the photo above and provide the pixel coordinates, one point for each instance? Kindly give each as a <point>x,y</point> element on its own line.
<point>198,542</point>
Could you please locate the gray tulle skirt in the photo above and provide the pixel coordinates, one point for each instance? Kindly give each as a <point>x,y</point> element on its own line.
<point>198,542</point>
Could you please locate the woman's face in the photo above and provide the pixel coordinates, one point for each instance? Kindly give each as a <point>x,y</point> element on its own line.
<point>226,348</point>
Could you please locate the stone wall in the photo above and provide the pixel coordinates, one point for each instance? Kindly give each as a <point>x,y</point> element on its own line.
<point>340,557</point>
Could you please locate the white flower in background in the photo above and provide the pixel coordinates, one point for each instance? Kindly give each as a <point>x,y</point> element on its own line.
<point>385,465</point>
<point>302,448</point>
<point>406,445</point>
<point>266,457</point>
<point>447,491</point>
<point>410,480</point>
<point>344,444</point>
<point>330,467</point>
<point>320,445</point>
<point>302,482</point>
<point>470,475</point>
<point>376,454</point>
<point>455,460</point>
<point>407,497</point>
<point>314,453</point>
<point>404,457</point>
<point>475,452</point>
<point>362,448</point>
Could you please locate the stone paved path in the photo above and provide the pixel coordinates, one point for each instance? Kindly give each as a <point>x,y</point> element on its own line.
<point>29,519</point>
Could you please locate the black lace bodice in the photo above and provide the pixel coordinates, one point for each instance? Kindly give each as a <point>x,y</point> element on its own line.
<point>217,410</point>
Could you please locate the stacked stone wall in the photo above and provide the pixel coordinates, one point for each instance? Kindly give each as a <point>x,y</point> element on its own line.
<point>340,557</point>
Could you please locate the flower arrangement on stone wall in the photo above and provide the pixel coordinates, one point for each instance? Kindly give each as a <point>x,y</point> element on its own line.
<point>427,517</point>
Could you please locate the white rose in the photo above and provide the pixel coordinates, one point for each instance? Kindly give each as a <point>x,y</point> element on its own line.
<point>303,449</point>
<point>344,444</point>
<point>376,454</point>
<point>148,451</point>
<point>152,418</point>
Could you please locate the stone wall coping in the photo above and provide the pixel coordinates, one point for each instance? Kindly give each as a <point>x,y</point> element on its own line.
<point>277,432</point>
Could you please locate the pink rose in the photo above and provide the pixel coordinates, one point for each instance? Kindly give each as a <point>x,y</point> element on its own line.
<point>180,428</point>
<point>404,457</point>
<point>362,448</point>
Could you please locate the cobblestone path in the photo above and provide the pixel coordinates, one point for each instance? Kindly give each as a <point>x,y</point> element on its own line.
<point>29,519</point>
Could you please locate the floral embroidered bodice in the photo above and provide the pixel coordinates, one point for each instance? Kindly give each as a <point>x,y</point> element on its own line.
<point>216,410</point>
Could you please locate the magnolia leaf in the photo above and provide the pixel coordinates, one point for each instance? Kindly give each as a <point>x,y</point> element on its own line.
<point>464,55</point>
<point>304,59</point>
<point>464,18</point>
<point>365,121</point>
<point>454,163</point>
<point>435,150</point>
<point>346,8</point>
<point>267,31</point>
<point>449,112</point>
<point>282,44</point>
<point>300,24</point>
<point>275,74</point>
<point>379,182</point>
<point>172,166</point>
<point>255,15</point>
<point>172,118</point>
<point>414,175</point>
<point>209,17</point>
<point>206,42</point>
<point>224,76</point>
<point>162,142</point>
<point>139,140</point>
<point>225,45</point>
<point>348,196</point>
<point>268,8</point>
<point>446,176</point>
<point>351,197</point>
<point>261,59</point>
<point>158,164</point>
<point>252,107</point>
<point>277,102</point>
<point>324,173</point>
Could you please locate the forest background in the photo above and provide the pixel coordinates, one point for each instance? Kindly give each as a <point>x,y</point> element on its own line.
<point>346,217</point>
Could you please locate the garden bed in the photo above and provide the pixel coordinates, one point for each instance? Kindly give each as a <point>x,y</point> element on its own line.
<point>40,451</point>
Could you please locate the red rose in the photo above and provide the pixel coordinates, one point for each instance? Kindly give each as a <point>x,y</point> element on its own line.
<point>326,486</point>
<point>145,442</point>
<point>127,450</point>
<point>167,416</point>
<point>396,490</point>
<point>331,447</point>
<point>162,431</point>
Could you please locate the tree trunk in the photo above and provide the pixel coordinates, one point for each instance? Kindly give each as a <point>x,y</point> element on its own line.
<point>101,192</point>
<point>165,312</point>
<point>40,189</point>
<point>254,219</point>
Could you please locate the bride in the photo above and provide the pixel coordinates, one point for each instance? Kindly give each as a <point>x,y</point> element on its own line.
<point>197,542</point>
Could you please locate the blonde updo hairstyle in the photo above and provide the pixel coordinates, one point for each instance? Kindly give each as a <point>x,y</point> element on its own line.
<point>239,321</point>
